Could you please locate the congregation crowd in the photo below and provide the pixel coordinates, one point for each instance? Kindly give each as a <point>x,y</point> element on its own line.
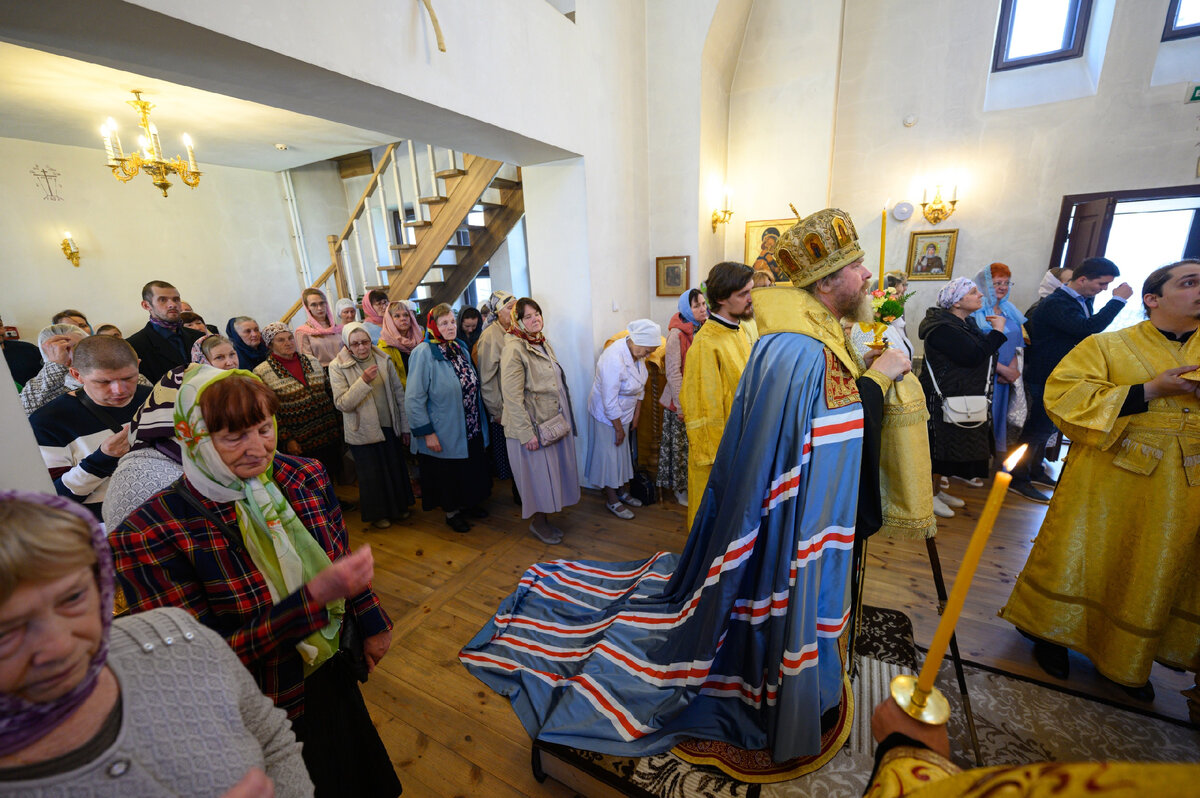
<point>195,470</point>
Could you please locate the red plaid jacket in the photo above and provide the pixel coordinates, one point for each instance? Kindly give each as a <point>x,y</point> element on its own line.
<point>168,555</point>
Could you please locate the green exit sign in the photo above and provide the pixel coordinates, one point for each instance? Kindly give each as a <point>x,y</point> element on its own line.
<point>1194,93</point>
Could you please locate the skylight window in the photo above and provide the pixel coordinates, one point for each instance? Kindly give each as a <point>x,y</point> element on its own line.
<point>1039,31</point>
<point>1183,20</point>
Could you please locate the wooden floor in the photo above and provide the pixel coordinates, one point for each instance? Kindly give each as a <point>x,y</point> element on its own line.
<point>449,735</point>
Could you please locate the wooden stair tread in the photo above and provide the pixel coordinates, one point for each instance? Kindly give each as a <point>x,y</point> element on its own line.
<point>489,204</point>
<point>505,183</point>
<point>402,247</point>
<point>450,173</point>
<point>438,200</point>
<point>376,288</point>
<point>393,268</point>
<point>422,223</point>
<point>458,247</point>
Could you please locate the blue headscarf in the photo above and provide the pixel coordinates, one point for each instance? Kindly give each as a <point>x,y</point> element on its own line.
<point>991,305</point>
<point>248,356</point>
<point>685,308</point>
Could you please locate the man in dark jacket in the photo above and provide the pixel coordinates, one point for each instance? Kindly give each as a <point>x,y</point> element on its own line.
<point>1061,321</point>
<point>164,342</point>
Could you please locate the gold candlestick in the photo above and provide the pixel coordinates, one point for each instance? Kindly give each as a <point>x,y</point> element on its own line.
<point>918,697</point>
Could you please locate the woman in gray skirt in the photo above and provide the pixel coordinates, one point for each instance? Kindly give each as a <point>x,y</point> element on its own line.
<point>613,409</point>
<point>539,428</point>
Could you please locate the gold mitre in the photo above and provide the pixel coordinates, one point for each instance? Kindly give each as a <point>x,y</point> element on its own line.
<point>817,246</point>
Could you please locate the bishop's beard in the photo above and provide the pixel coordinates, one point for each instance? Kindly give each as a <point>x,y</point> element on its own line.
<point>859,309</point>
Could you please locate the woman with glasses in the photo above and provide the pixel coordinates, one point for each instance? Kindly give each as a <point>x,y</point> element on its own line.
<point>995,283</point>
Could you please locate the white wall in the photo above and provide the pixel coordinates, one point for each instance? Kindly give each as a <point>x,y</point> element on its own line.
<point>21,466</point>
<point>224,245</point>
<point>321,206</point>
<point>1012,166</point>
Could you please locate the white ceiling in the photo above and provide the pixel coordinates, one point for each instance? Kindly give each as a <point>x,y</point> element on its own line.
<point>51,98</point>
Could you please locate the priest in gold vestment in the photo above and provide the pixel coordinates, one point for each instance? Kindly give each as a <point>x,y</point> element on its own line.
<point>1115,571</point>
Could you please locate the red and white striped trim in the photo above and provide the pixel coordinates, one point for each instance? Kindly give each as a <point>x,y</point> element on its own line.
<point>838,427</point>
<point>832,627</point>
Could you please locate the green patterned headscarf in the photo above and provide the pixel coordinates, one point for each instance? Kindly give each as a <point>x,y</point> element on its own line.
<point>282,549</point>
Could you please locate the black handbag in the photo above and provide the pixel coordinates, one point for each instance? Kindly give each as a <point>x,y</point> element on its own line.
<point>641,485</point>
<point>350,643</point>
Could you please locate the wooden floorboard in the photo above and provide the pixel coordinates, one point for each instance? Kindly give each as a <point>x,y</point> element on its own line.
<point>450,735</point>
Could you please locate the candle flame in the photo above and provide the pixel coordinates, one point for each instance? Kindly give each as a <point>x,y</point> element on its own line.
<point>187,140</point>
<point>1015,457</point>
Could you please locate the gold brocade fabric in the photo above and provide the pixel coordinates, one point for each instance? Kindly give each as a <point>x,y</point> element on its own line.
<point>923,774</point>
<point>904,464</point>
<point>1115,571</point>
<point>714,365</point>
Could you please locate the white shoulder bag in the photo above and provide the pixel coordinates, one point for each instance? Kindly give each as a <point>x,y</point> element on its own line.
<point>967,412</point>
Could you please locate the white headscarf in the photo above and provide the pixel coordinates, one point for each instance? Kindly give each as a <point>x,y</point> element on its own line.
<point>644,332</point>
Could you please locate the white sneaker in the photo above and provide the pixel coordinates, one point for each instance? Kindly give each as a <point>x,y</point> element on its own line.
<point>940,509</point>
<point>950,501</point>
<point>681,497</point>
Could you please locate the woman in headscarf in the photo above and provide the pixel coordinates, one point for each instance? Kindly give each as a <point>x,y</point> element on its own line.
<point>252,543</point>
<point>345,310</point>
<point>368,392</point>
<point>308,423</point>
<point>486,354</point>
<point>449,424</point>
<point>374,305</point>
<point>958,362</point>
<point>56,343</point>
<point>94,706</point>
<point>321,335</point>
<point>402,334</point>
<point>995,283</point>
<point>247,339</point>
<point>470,326</point>
<point>613,409</point>
<point>672,448</point>
<point>153,461</point>
<point>539,426</point>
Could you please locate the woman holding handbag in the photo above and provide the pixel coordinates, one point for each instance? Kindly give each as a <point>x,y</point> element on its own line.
<point>539,428</point>
<point>959,362</point>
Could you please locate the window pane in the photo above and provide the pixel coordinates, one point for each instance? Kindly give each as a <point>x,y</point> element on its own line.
<point>1188,14</point>
<point>1139,243</point>
<point>1039,26</point>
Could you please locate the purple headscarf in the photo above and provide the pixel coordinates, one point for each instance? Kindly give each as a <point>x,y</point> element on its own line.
<point>24,722</point>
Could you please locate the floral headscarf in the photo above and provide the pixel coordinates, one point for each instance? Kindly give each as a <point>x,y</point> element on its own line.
<point>954,291</point>
<point>198,355</point>
<point>391,333</point>
<point>23,722</point>
<point>271,330</point>
<point>282,549</point>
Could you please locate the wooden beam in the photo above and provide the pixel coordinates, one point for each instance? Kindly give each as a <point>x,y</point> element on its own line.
<point>483,245</point>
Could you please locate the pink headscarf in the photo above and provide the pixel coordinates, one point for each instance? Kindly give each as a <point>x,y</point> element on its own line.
<point>391,333</point>
<point>314,327</point>
<point>369,312</point>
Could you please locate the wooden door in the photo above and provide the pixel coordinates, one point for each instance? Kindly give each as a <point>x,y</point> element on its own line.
<point>1089,230</point>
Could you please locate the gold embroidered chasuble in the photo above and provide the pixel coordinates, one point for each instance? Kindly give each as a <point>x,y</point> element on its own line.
<point>714,365</point>
<point>1115,571</point>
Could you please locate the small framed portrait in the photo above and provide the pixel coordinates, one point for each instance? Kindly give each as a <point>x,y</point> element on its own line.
<point>671,275</point>
<point>761,238</point>
<point>931,255</point>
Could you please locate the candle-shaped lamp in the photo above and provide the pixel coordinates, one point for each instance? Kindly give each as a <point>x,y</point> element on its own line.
<point>155,142</point>
<point>191,153</point>
<point>70,249</point>
<point>111,124</point>
<point>918,697</point>
<point>145,145</point>
<point>108,148</point>
<point>882,239</point>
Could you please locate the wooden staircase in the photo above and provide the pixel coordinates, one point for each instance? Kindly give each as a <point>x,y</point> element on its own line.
<point>454,219</point>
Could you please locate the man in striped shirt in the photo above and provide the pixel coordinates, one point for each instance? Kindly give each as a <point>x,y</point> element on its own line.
<point>82,434</point>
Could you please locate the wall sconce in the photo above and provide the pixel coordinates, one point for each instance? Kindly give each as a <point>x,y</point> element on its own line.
<point>938,210</point>
<point>70,250</point>
<point>722,216</point>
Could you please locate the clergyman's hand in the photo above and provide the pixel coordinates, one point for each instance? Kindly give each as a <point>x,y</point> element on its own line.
<point>889,718</point>
<point>892,364</point>
<point>1169,383</point>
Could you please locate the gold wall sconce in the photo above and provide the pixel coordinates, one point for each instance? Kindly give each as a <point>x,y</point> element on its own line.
<point>939,210</point>
<point>70,249</point>
<point>722,216</point>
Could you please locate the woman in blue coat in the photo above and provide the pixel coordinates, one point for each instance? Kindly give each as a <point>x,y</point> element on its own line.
<point>449,424</point>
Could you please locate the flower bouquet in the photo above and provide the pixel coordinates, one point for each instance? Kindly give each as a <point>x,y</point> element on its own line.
<point>888,305</point>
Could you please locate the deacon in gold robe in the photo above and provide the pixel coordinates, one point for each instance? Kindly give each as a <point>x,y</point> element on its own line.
<point>1115,571</point>
<point>715,362</point>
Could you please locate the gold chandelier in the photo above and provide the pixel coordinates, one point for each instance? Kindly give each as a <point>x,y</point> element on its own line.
<point>150,159</point>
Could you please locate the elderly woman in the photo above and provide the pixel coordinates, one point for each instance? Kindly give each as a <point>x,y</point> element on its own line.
<point>672,448</point>
<point>995,283</point>
<point>321,335</point>
<point>486,352</point>
<point>539,427</point>
<point>215,350</point>
<point>401,334</point>
<point>959,360</point>
<point>93,706</point>
<point>346,311</point>
<point>247,339</point>
<point>252,543</point>
<point>308,422</point>
<point>449,424</point>
<point>56,343</point>
<point>613,407</point>
<point>370,395</point>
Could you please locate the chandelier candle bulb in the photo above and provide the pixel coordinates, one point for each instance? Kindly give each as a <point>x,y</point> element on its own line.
<point>108,147</point>
<point>158,153</point>
<point>191,153</point>
<point>116,139</point>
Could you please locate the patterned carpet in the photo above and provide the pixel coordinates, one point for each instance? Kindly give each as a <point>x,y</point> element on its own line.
<point>1018,722</point>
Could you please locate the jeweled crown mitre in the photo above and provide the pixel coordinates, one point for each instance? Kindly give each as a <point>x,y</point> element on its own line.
<point>817,246</point>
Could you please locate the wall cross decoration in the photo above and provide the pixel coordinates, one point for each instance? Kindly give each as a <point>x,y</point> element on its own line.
<point>47,180</point>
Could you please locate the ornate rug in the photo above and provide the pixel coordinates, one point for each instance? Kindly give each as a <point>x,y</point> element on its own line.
<point>1018,722</point>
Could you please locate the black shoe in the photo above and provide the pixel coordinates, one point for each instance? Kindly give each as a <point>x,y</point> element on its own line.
<point>1145,693</point>
<point>458,523</point>
<point>476,512</point>
<point>1053,658</point>
<point>1045,480</point>
<point>1027,490</point>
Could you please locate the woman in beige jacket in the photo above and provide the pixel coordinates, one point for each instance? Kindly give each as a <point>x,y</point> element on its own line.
<point>370,395</point>
<point>539,429</point>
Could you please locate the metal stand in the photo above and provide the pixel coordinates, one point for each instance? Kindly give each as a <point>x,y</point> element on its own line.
<point>939,585</point>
